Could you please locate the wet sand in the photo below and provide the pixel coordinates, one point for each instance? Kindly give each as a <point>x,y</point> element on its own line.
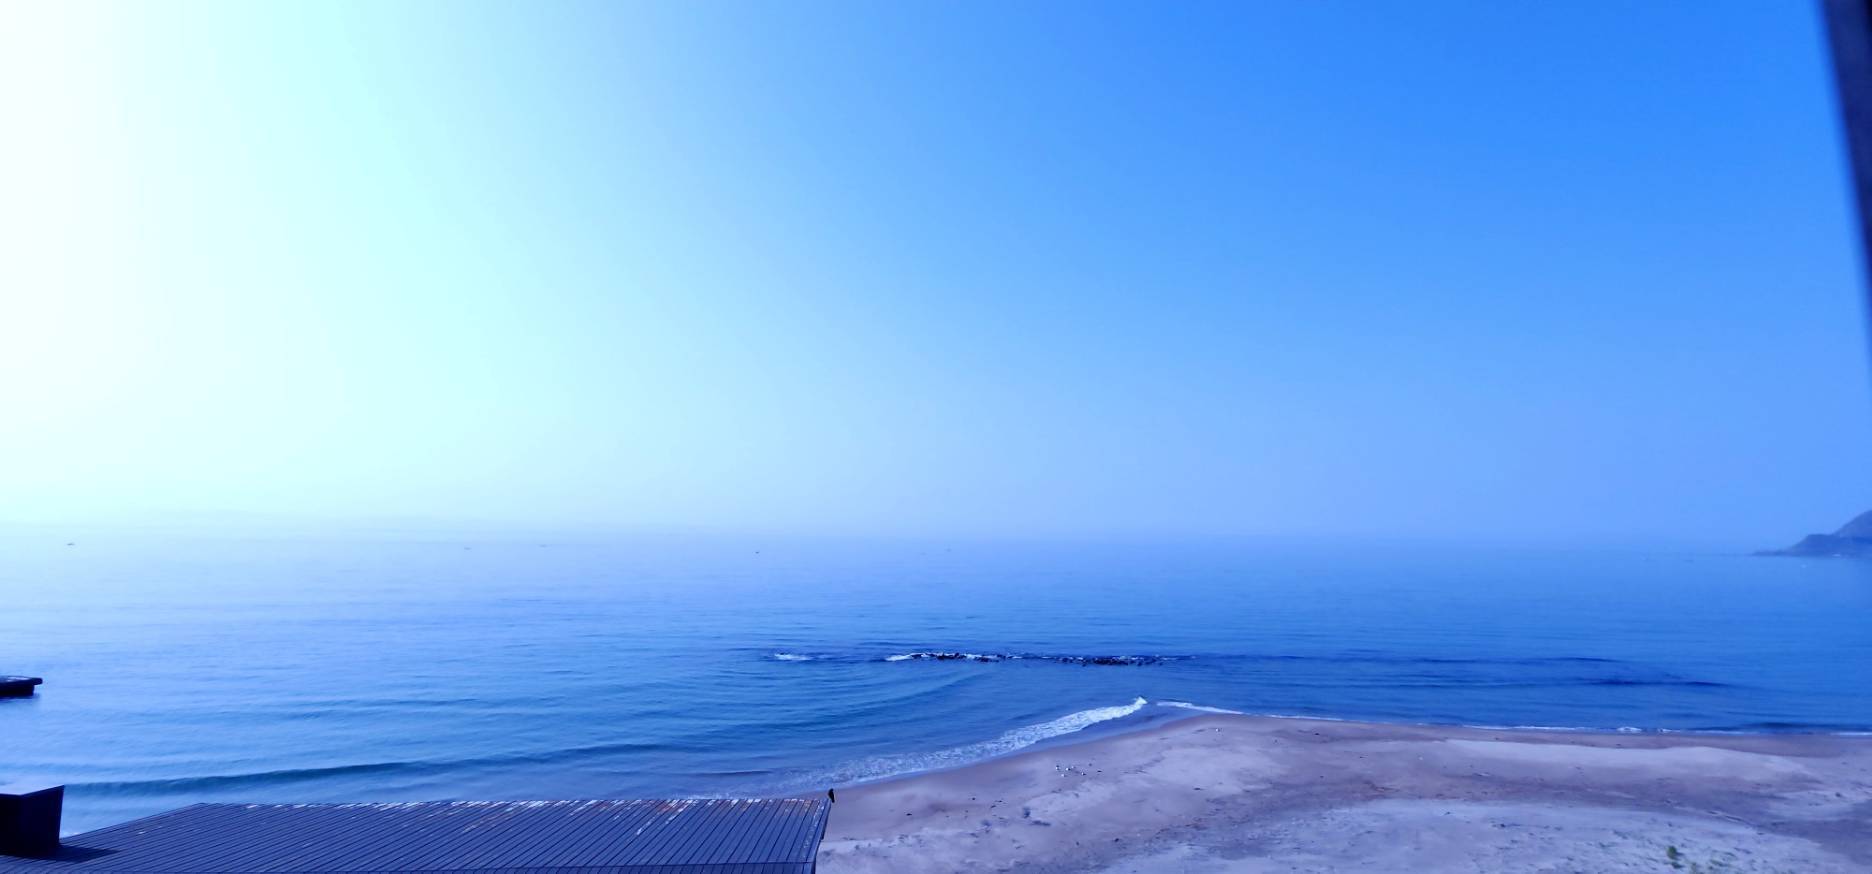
<point>1232,794</point>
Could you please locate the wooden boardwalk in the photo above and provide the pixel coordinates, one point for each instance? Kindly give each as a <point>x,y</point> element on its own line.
<point>705,836</point>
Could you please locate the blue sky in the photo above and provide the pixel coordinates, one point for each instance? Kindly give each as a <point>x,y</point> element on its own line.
<point>1522,272</point>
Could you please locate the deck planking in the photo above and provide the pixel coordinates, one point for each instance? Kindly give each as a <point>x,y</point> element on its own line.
<point>681,836</point>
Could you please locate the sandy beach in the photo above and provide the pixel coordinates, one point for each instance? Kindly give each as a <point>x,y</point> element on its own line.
<point>1224,793</point>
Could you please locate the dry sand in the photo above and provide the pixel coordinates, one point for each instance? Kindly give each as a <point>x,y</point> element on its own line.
<point>1245,794</point>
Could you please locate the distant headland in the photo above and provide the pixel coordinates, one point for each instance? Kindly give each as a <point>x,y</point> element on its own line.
<point>1852,540</point>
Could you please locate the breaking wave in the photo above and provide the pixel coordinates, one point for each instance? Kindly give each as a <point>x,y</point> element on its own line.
<point>1201,708</point>
<point>881,767</point>
<point>953,656</point>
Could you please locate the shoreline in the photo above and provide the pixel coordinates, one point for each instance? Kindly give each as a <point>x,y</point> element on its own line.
<point>1102,731</point>
<point>1237,793</point>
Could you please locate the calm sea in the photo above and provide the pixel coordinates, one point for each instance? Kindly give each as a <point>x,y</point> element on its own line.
<point>185,669</point>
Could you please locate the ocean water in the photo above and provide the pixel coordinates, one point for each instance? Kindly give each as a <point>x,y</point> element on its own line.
<point>327,668</point>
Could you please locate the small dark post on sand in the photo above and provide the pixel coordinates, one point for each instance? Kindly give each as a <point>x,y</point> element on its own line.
<point>29,820</point>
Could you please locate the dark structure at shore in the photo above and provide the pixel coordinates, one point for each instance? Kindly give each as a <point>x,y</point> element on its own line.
<point>18,687</point>
<point>1852,540</point>
<point>698,836</point>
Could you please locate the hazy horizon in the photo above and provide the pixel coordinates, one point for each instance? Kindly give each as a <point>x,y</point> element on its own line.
<point>213,527</point>
<point>1444,272</point>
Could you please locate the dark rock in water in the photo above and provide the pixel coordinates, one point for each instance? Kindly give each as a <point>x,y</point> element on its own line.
<point>1852,540</point>
<point>946,657</point>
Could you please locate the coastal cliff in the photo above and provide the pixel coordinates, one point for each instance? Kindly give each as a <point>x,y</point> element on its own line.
<point>1852,540</point>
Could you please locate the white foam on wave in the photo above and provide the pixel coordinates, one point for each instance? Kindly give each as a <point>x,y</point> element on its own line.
<point>1185,705</point>
<point>1575,729</point>
<point>791,657</point>
<point>1488,727</point>
<point>881,767</point>
<point>1300,716</point>
<point>948,657</point>
<point>1071,722</point>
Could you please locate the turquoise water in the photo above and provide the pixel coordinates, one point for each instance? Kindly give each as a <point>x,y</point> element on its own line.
<point>331,669</point>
